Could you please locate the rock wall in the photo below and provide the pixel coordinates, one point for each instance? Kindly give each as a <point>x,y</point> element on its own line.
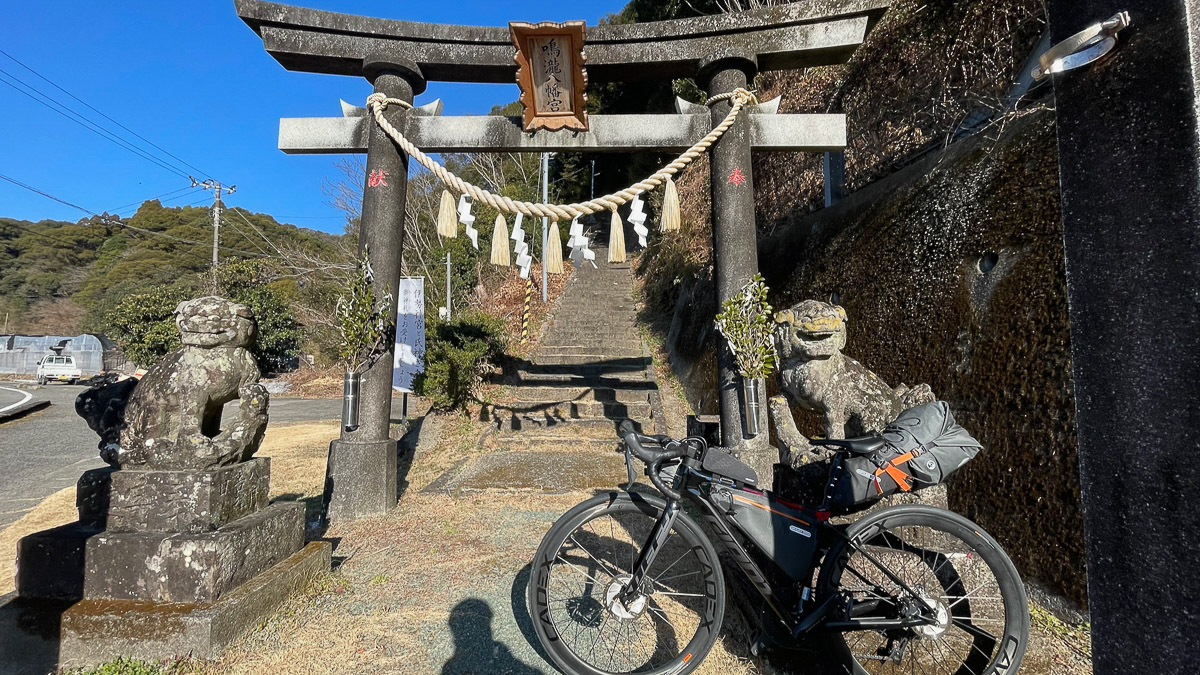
<point>952,273</point>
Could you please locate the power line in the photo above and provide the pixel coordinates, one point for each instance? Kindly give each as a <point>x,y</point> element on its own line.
<point>86,124</point>
<point>89,106</point>
<point>118,222</point>
<point>47,195</point>
<point>143,201</point>
<point>129,211</point>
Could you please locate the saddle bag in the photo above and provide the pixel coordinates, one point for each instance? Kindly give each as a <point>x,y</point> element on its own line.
<point>924,446</point>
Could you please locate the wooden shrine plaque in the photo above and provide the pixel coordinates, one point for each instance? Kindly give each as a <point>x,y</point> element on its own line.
<point>551,75</point>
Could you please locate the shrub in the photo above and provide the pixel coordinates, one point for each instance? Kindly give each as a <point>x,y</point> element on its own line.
<point>458,354</point>
<point>144,323</point>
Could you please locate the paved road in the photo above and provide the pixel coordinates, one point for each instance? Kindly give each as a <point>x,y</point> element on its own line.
<point>47,451</point>
<point>11,397</point>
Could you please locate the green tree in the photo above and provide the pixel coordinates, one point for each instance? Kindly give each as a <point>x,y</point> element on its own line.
<point>144,324</point>
<point>278,342</point>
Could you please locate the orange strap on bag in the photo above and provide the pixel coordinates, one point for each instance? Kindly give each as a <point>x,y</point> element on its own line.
<point>892,469</point>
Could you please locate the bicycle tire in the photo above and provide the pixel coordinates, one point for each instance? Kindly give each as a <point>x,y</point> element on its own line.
<point>564,621</point>
<point>943,581</point>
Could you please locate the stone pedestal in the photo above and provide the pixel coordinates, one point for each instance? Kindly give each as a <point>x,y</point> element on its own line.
<point>160,564</point>
<point>360,479</point>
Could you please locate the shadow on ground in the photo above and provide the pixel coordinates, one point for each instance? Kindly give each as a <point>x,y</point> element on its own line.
<point>475,647</point>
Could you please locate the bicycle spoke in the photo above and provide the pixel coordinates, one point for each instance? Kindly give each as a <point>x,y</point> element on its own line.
<point>576,568</point>
<point>602,564</point>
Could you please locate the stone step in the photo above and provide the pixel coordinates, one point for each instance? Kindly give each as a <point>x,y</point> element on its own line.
<point>589,336</point>
<point>599,362</point>
<point>631,380</point>
<point>598,312</point>
<point>628,351</point>
<point>566,394</point>
<point>563,427</point>
<point>564,410</point>
<point>536,441</point>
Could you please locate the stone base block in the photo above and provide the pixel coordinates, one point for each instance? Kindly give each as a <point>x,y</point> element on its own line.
<point>40,636</point>
<point>92,495</point>
<point>360,480</point>
<point>186,501</point>
<point>75,561</point>
<point>50,563</point>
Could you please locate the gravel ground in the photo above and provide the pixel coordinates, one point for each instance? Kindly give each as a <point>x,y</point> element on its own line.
<point>438,585</point>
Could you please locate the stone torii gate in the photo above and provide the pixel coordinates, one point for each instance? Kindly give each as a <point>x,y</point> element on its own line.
<point>721,52</point>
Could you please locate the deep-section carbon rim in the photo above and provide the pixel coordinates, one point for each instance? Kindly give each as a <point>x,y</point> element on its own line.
<point>582,617</point>
<point>978,601</point>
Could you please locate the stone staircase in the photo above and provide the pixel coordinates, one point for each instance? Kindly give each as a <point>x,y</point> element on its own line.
<point>588,374</point>
<point>590,368</point>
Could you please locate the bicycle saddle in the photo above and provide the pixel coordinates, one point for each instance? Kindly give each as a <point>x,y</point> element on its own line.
<point>863,445</point>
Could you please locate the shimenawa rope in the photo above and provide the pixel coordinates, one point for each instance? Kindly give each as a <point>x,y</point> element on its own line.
<point>377,103</point>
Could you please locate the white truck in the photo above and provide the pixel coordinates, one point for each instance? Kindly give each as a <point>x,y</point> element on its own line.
<point>61,368</point>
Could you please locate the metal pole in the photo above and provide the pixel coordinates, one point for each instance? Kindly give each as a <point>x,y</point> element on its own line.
<point>545,221</point>
<point>216,220</point>
<point>448,285</point>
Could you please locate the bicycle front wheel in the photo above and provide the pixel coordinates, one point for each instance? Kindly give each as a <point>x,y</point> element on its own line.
<point>918,561</point>
<point>581,570</point>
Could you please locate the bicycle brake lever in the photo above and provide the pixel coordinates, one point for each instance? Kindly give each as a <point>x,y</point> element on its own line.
<point>629,470</point>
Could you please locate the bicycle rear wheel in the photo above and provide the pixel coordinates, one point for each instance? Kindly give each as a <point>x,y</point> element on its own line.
<point>980,619</point>
<point>581,568</point>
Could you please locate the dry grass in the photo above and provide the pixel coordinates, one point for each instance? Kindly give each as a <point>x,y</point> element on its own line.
<point>57,509</point>
<point>314,382</point>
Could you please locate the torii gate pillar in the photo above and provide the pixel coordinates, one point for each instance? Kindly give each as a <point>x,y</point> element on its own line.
<point>735,248</point>
<point>360,478</point>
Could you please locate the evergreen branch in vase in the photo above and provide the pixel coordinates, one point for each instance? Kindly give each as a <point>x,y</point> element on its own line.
<point>745,321</point>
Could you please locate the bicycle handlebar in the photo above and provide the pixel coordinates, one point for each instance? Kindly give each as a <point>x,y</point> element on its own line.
<point>671,449</point>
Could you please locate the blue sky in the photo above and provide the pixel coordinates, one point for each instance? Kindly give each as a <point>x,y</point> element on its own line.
<point>195,80</point>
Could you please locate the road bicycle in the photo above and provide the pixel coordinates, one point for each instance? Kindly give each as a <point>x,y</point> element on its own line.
<point>630,582</point>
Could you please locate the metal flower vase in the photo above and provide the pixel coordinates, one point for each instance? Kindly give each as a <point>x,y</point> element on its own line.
<point>350,398</point>
<point>752,394</point>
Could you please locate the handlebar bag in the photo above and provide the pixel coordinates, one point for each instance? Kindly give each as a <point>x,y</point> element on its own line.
<point>924,447</point>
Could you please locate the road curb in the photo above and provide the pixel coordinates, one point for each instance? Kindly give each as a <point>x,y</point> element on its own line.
<point>23,410</point>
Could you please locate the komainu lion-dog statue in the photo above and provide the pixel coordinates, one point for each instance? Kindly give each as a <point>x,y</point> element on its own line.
<point>815,374</point>
<point>171,418</point>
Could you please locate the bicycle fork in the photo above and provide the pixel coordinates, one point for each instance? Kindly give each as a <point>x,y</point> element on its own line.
<point>658,537</point>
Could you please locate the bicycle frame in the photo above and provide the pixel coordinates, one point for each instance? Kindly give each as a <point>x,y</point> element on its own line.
<point>689,483</point>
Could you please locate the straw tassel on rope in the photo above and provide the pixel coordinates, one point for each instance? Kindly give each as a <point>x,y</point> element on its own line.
<point>616,239</point>
<point>447,222</point>
<point>670,208</point>
<point>500,242</point>
<point>553,256</point>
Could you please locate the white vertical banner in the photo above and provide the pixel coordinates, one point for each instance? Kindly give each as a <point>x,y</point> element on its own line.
<point>409,355</point>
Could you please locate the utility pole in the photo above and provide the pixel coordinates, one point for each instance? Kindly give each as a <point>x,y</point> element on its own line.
<point>216,187</point>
